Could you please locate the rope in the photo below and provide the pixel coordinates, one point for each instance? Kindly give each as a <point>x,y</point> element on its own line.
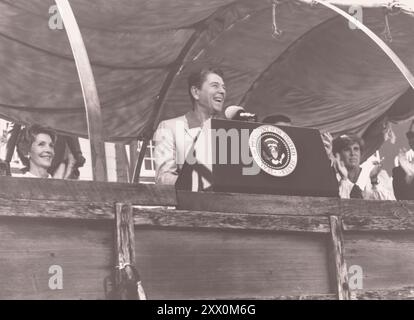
<point>276,32</point>
<point>387,31</point>
<point>126,285</point>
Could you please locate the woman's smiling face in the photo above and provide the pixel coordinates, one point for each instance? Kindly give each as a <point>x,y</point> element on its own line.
<point>42,151</point>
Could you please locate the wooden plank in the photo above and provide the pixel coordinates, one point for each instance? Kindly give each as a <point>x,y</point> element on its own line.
<point>337,253</point>
<point>357,223</point>
<point>92,191</point>
<point>406,293</point>
<point>31,250</point>
<point>89,91</point>
<point>385,259</point>
<point>291,205</point>
<point>56,209</point>
<point>326,296</point>
<point>162,217</point>
<point>200,264</point>
<point>179,218</point>
<point>255,203</point>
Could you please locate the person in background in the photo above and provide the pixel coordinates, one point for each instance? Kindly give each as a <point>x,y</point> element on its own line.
<point>68,155</point>
<point>207,93</point>
<point>355,182</point>
<point>278,119</point>
<point>282,120</point>
<point>403,172</point>
<point>37,147</point>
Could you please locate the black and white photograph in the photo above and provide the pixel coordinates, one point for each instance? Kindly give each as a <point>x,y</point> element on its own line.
<point>225,151</point>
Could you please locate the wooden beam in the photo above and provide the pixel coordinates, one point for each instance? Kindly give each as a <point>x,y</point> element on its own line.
<point>358,223</point>
<point>97,209</point>
<point>405,293</point>
<point>89,91</point>
<point>133,157</point>
<point>140,159</point>
<point>127,280</point>
<point>292,205</point>
<point>378,41</point>
<point>187,219</point>
<point>90,191</point>
<point>161,217</point>
<point>337,253</point>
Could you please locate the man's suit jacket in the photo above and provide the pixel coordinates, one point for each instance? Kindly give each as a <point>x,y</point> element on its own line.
<point>173,139</point>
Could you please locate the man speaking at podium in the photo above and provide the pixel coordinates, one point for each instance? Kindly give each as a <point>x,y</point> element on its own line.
<point>174,137</point>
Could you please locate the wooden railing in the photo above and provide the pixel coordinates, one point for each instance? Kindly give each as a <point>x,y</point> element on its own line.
<point>202,245</point>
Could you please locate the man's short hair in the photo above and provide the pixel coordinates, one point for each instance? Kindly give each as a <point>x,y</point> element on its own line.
<point>276,118</point>
<point>197,78</point>
<point>345,141</point>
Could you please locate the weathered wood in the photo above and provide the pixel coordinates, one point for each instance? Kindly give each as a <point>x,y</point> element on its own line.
<point>255,203</point>
<point>327,296</point>
<point>127,278</point>
<point>357,223</point>
<point>92,191</point>
<point>406,293</point>
<point>56,209</point>
<point>89,91</point>
<point>29,250</point>
<point>337,254</point>
<point>386,259</point>
<point>180,218</point>
<point>200,264</point>
<point>162,217</point>
<point>291,205</point>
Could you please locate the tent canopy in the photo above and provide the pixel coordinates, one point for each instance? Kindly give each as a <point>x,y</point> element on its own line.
<point>320,72</point>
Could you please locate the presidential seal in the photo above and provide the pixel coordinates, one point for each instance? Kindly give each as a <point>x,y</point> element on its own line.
<point>273,150</point>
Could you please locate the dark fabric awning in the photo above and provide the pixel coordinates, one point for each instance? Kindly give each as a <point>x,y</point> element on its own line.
<point>319,72</point>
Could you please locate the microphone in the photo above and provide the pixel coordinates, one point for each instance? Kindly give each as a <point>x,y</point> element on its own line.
<point>238,113</point>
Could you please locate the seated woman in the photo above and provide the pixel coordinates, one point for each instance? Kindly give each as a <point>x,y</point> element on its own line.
<point>354,181</point>
<point>36,149</point>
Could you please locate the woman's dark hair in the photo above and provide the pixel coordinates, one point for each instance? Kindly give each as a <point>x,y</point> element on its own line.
<point>197,78</point>
<point>345,141</point>
<point>26,138</point>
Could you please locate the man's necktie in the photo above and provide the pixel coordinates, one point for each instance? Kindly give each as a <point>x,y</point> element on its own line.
<point>356,192</point>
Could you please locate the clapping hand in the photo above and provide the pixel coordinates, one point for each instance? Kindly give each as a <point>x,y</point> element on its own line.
<point>327,143</point>
<point>376,169</point>
<point>340,167</point>
<point>406,165</point>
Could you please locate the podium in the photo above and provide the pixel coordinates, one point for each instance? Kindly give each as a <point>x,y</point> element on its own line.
<point>251,157</point>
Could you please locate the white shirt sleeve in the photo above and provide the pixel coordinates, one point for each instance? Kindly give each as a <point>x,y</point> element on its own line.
<point>166,169</point>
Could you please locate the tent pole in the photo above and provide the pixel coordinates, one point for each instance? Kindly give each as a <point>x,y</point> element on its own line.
<point>89,91</point>
<point>384,47</point>
<point>138,164</point>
